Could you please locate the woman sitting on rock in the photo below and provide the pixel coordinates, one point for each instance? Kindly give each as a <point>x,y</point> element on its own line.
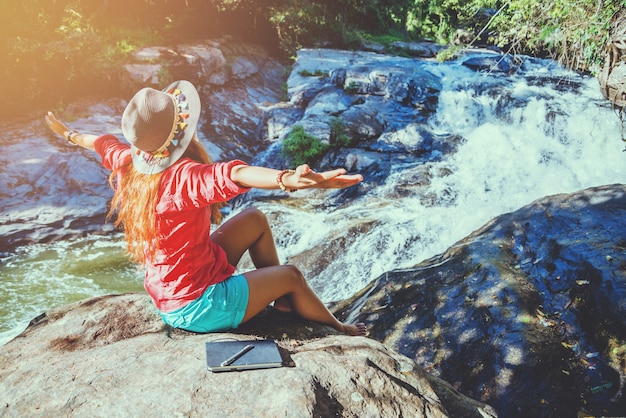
<point>167,194</point>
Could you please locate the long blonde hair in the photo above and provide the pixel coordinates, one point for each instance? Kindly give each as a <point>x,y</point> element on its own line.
<point>134,204</point>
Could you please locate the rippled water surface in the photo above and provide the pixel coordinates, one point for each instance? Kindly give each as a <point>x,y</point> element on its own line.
<point>38,277</point>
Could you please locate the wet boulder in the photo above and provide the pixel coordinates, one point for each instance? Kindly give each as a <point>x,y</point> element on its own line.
<point>527,314</point>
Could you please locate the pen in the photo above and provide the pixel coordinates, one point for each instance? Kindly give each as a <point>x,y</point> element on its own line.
<point>235,356</point>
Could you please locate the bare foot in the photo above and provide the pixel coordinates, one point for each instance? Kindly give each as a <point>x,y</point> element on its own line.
<point>355,329</point>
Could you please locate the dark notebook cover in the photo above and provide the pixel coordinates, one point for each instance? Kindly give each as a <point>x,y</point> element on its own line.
<point>264,354</point>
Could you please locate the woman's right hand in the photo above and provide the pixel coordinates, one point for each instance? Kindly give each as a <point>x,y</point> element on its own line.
<point>59,128</point>
<point>56,125</point>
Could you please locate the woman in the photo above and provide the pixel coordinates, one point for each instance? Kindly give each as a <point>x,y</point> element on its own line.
<point>167,193</point>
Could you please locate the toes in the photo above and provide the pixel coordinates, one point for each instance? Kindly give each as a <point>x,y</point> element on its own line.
<point>355,330</point>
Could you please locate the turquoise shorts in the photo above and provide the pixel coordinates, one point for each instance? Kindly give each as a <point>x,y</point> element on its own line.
<point>221,307</point>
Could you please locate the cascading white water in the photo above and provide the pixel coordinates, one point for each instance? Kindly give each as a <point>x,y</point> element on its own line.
<point>522,141</point>
<point>524,136</point>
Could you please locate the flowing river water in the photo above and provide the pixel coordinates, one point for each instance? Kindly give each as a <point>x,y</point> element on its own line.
<point>540,132</point>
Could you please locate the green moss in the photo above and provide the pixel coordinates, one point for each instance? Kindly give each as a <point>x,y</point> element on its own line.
<point>316,73</point>
<point>303,148</point>
<point>338,135</point>
<point>352,87</point>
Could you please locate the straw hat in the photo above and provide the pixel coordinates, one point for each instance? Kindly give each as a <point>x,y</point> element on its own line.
<point>159,125</point>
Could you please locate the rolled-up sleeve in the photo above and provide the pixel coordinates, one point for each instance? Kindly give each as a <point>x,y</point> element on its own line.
<point>114,153</point>
<point>194,185</point>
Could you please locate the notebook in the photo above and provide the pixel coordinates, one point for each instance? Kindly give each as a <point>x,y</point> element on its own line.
<point>227,356</point>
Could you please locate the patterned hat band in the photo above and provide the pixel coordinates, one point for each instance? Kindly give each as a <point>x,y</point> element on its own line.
<point>160,124</point>
<point>181,106</point>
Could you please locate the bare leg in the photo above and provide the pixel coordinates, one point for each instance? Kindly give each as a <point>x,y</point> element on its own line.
<point>247,231</point>
<point>250,231</point>
<point>268,284</point>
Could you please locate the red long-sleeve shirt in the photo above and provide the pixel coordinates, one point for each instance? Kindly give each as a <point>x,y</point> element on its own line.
<point>187,261</point>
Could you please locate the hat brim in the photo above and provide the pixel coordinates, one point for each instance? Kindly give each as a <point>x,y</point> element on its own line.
<point>175,150</point>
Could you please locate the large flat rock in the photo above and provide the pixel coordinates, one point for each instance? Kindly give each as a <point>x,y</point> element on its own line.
<point>112,356</point>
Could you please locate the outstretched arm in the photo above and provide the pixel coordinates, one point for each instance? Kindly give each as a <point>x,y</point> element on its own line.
<point>300,178</point>
<point>59,128</point>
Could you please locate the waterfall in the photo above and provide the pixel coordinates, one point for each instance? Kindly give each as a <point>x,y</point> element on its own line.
<point>540,132</point>
<point>520,137</point>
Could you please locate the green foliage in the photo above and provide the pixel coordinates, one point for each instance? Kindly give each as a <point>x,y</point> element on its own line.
<point>316,73</point>
<point>54,51</point>
<point>338,135</point>
<point>58,49</point>
<point>449,53</point>
<point>352,87</point>
<point>574,32</point>
<point>342,23</point>
<point>303,148</point>
<point>440,19</point>
<point>385,39</point>
<point>297,22</point>
<point>284,92</point>
<point>59,53</point>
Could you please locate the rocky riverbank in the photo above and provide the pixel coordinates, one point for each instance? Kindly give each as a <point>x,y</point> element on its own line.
<point>112,356</point>
<point>525,314</point>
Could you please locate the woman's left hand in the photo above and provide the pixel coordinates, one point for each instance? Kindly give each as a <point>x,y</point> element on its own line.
<point>305,178</point>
